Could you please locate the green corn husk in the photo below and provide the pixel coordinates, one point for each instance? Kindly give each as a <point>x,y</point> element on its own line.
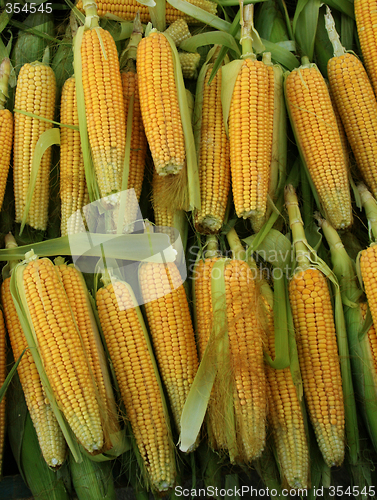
<point>62,62</point>
<point>44,483</point>
<point>30,47</point>
<point>92,480</point>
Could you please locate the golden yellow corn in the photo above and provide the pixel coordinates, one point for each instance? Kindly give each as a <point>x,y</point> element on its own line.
<point>73,189</point>
<point>214,159</point>
<point>127,10</point>
<point>6,129</point>
<point>319,361</point>
<point>372,336</point>
<point>170,324</point>
<point>35,93</point>
<point>123,329</point>
<point>62,353</point>
<point>50,436</point>
<point>245,377</point>
<point>357,106</point>
<point>285,417</point>
<point>159,103</point>
<point>366,23</point>
<point>250,135</point>
<point>138,139</point>
<point>104,105</point>
<point>317,134</point>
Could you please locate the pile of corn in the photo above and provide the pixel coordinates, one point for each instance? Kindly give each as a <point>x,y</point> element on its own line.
<point>189,224</point>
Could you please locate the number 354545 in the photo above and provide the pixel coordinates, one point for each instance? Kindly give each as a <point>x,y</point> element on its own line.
<point>29,8</point>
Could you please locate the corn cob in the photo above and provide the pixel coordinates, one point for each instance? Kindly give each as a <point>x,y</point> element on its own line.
<point>357,106</point>
<point>3,374</point>
<point>313,318</point>
<point>104,104</point>
<point>61,351</point>
<point>6,128</point>
<point>35,93</point>
<point>314,122</point>
<point>124,331</point>
<point>189,64</point>
<point>214,160</point>
<point>127,10</point>
<point>178,31</point>
<point>159,103</point>
<point>50,436</point>
<point>250,132</point>
<point>365,16</point>
<point>171,329</point>
<point>73,190</point>
<point>77,294</point>
<point>245,376</point>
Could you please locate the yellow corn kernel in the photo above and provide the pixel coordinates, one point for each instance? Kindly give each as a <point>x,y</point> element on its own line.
<point>319,361</point>
<point>50,436</point>
<point>250,135</point>
<point>62,353</point>
<point>123,329</point>
<point>35,93</point>
<point>315,125</point>
<point>214,159</point>
<point>357,106</point>
<point>73,189</point>
<point>366,23</point>
<point>170,324</point>
<point>189,64</point>
<point>104,107</point>
<point>6,140</point>
<point>159,104</point>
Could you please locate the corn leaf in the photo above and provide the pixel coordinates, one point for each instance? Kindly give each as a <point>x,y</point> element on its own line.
<point>92,479</point>
<point>45,141</point>
<point>344,6</point>
<point>276,249</point>
<point>305,26</point>
<point>191,159</point>
<point>157,13</point>
<point>210,38</point>
<point>195,407</point>
<point>10,375</point>
<point>201,15</point>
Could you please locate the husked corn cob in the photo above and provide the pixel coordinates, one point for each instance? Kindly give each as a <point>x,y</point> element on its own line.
<point>127,10</point>
<point>319,362</point>
<point>159,103</point>
<point>250,137</point>
<point>368,260</point>
<point>214,159</point>
<point>163,215</point>
<point>189,64</point>
<point>246,376</point>
<point>124,333</point>
<point>365,16</point>
<point>104,105</point>
<point>285,417</point>
<point>35,93</point>
<point>356,103</point>
<point>50,436</point>
<point>6,128</point>
<point>318,136</point>
<point>171,329</point>
<point>138,139</point>
<point>178,31</point>
<point>62,353</point>
<point>73,189</point>
<point>77,294</point>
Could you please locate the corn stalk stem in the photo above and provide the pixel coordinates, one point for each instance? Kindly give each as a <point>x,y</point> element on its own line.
<point>338,48</point>
<point>212,246</point>
<point>297,228</point>
<point>246,22</point>
<point>370,207</point>
<point>91,14</point>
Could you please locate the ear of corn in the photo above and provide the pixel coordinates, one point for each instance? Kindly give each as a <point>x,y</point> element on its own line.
<point>169,321</point>
<point>3,374</point>
<point>178,31</point>
<point>365,16</point>
<point>104,104</point>
<point>313,318</point>
<point>73,190</point>
<point>189,64</point>
<point>159,104</point>
<point>35,93</point>
<point>50,437</point>
<point>6,128</point>
<point>314,122</point>
<point>61,350</point>
<point>131,355</point>
<point>213,154</point>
